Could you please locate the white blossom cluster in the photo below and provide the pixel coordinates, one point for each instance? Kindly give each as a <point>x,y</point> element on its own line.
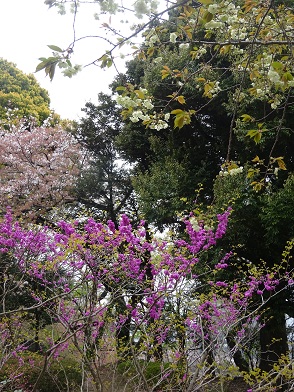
<point>144,7</point>
<point>216,89</point>
<point>151,38</point>
<point>226,20</point>
<point>231,172</point>
<point>173,37</point>
<point>133,102</point>
<point>140,110</point>
<point>268,86</point>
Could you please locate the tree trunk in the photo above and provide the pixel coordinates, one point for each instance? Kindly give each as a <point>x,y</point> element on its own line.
<point>238,358</point>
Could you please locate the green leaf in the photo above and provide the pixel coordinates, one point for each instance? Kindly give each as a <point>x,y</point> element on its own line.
<point>246,118</point>
<point>181,99</point>
<point>250,173</point>
<point>255,134</point>
<point>55,48</point>
<point>177,111</point>
<point>179,121</point>
<point>207,17</point>
<point>281,163</point>
<point>287,76</point>
<point>206,2</point>
<point>140,94</point>
<point>257,185</point>
<point>120,88</point>
<point>50,70</point>
<point>41,66</point>
<point>277,65</point>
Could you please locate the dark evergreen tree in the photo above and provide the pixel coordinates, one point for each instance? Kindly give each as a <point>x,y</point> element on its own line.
<point>105,187</point>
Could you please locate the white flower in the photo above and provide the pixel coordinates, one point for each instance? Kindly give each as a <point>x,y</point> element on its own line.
<point>273,76</point>
<point>236,170</point>
<point>212,8</point>
<point>141,8</point>
<point>213,24</point>
<point>157,60</point>
<point>173,37</point>
<point>195,224</point>
<point>148,104</point>
<point>167,116</point>
<point>136,116</point>
<point>154,38</point>
<point>184,46</point>
<point>125,101</point>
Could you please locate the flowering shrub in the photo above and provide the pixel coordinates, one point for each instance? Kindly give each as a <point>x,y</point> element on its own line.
<point>145,298</point>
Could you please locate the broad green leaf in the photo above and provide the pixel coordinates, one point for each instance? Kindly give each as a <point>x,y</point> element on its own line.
<point>207,88</point>
<point>287,76</point>
<point>257,137</point>
<point>150,51</point>
<point>177,111</point>
<point>140,94</point>
<point>206,2</point>
<point>225,49</point>
<point>179,121</point>
<point>55,48</point>
<point>207,17</point>
<point>255,134</point>
<point>246,118</point>
<point>277,65</point>
<point>41,66</point>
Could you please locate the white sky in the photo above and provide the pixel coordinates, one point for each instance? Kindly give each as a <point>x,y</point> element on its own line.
<point>28,26</point>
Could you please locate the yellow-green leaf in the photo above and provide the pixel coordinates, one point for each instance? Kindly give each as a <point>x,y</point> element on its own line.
<point>140,94</point>
<point>207,17</point>
<point>281,163</point>
<point>177,111</point>
<point>277,65</point>
<point>181,99</point>
<point>179,121</point>
<point>246,118</point>
<point>225,49</point>
<point>255,134</point>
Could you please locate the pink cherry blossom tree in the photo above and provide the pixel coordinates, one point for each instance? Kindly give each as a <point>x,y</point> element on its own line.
<point>38,168</point>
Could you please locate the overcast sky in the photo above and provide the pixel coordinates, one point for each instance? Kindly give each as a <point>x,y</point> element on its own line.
<point>27,27</point>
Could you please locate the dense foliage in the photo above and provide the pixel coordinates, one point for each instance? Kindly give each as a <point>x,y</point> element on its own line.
<point>21,97</point>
